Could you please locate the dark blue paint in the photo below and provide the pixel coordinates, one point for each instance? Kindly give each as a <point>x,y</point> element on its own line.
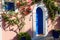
<point>9,6</point>
<point>39,21</point>
<point>55,34</point>
<point>23,38</point>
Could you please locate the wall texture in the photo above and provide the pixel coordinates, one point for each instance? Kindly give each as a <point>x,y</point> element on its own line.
<point>10,32</point>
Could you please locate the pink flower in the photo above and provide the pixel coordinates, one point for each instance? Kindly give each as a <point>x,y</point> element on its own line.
<point>29,1</point>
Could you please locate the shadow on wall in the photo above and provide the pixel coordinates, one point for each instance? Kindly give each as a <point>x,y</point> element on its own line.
<point>3,24</point>
<point>29,31</point>
<point>50,33</point>
<point>4,27</point>
<point>57,26</point>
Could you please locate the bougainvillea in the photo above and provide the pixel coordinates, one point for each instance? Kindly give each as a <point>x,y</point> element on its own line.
<point>24,7</point>
<point>25,10</point>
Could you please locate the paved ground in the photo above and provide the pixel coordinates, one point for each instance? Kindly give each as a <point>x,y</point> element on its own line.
<point>51,38</point>
<point>45,38</point>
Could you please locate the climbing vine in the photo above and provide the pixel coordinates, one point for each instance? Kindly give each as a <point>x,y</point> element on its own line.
<point>52,8</point>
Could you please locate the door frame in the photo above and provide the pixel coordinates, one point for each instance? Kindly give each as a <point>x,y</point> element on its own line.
<point>45,19</point>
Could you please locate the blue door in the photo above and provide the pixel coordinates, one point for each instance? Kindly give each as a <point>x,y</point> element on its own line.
<point>39,21</point>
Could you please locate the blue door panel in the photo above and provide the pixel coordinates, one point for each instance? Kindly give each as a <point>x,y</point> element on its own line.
<point>39,21</point>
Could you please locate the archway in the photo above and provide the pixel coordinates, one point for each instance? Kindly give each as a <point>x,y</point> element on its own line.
<point>40,20</point>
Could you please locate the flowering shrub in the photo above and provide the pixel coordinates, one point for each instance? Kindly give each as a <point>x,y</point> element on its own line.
<point>25,10</point>
<point>24,7</point>
<point>11,18</point>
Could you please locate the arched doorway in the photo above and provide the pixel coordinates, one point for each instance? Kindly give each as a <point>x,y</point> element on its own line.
<point>39,21</point>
